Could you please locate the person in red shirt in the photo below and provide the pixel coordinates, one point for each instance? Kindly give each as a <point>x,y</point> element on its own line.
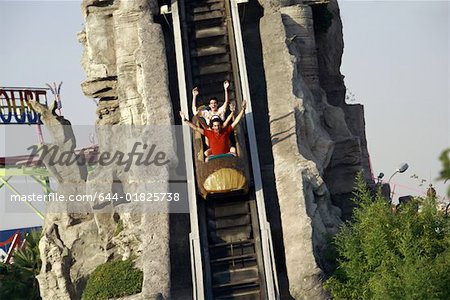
<point>217,133</point>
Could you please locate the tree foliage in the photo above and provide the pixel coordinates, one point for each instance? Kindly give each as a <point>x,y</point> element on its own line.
<point>18,280</point>
<point>28,257</point>
<point>445,160</point>
<point>387,255</point>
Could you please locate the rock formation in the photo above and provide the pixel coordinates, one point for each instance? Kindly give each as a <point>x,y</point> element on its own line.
<point>311,145</point>
<point>316,145</point>
<point>122,45</point>
<point>126,67</point>
<point>350,154</point>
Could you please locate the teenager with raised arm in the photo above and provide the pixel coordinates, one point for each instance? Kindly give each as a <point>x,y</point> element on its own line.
<point>214,109</point>
<point>217,134</point>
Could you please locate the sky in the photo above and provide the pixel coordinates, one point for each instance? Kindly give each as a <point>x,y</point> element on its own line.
<point>396,63</point>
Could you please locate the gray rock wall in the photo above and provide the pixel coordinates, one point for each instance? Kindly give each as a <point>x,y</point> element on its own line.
<point>66,235</point>
<point>125,62</point>
<point>137,62</point>
<point>308,136</point>
<point>299,147</point>
<point>351,154</point>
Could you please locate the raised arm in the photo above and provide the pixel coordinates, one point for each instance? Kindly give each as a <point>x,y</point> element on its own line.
<point>228,119</point>
<point>192,125</point>
<point>226,85</point>
<point>194,100</point>
<point>239,116</point>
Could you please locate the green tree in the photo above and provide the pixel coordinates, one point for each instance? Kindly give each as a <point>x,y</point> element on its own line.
<point>387,255</point>
<point>18,280</point>
<point>445,173</point>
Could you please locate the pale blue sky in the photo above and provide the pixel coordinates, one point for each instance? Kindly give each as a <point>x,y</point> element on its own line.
<point>396,62</point>
<point>39,45</point>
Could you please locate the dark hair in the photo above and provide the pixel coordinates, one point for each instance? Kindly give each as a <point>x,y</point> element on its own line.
<point>213,98</point>
<point>215,119</point>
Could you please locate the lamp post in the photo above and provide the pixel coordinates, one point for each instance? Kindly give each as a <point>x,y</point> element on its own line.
<point>402,168</point>
<point>380,176</point>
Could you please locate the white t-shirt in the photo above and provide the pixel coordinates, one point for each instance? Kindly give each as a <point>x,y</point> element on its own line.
<point>208,114</point>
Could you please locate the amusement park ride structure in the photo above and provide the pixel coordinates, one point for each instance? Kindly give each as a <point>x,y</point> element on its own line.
<point>15,110</point>
<point>231,244</point>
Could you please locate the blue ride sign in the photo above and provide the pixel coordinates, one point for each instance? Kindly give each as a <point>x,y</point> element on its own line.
<point>14,108</point>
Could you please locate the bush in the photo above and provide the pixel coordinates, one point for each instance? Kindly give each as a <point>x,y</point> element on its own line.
<point>113,279</point>
<point>386,255</point>
<point>445,173</point>
<point>18,280</point>
<point>15,284</point>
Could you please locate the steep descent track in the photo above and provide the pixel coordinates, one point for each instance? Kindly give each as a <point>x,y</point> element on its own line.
<point>209,48</point>
<point>236,269</point>
<point>234,266</point>
<point>231,258</point>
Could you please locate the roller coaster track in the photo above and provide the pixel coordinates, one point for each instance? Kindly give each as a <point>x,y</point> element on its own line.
<point>231,249</point>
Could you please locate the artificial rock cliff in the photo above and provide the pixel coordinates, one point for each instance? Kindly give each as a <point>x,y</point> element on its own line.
<point>311,145</point>
<point>300,96</point>
<point>122,45</point>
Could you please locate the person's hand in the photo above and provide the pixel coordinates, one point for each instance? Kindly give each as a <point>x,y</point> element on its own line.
<point>183,116</point>
<point>232,106</point>
<point>244,104</point>
<point>195,91</point>
<point>226,84</point>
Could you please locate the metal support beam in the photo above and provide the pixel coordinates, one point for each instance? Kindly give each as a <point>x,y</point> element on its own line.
<point>45,183</point>
<point>196,258</point>
<point>269,263</point>
<point>36,211</point>
<point>7,179</point>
